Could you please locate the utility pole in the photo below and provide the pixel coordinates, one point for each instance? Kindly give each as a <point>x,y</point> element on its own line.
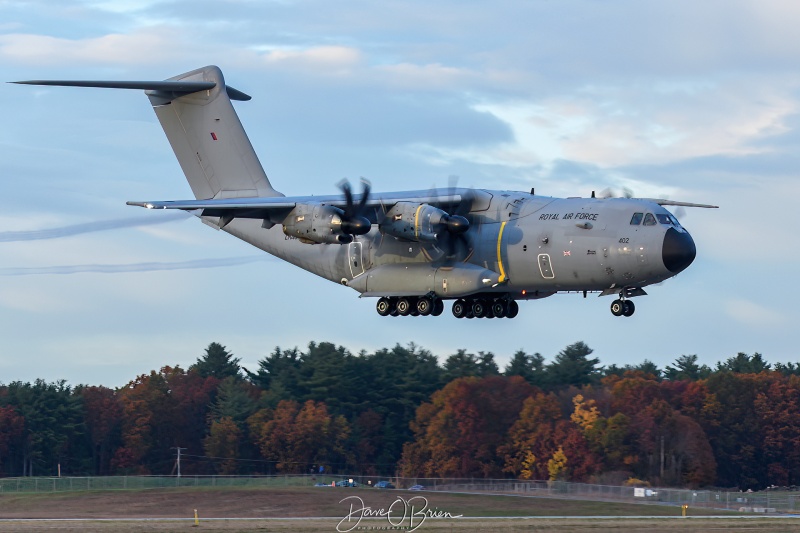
<point>178,460</point>
<point>662,459</point>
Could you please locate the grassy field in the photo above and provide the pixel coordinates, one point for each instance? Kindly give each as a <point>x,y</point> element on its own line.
<point>279,509</point>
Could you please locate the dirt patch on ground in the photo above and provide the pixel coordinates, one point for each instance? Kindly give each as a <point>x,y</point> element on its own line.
<point>586,525</point>
<point>299,503</point>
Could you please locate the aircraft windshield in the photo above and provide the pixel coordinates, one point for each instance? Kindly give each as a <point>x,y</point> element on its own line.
<point>649,220</point>
<point>664,219</point>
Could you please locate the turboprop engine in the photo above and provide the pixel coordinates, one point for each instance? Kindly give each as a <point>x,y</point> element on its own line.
<point>420,222</point>
<point>316,224</point>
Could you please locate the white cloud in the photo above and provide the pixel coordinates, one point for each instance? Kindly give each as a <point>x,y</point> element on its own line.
<point>754,315</point>
<point>340,60</point>
<point>618,126</point>
<point>144,47</point>
<point>427,76</point>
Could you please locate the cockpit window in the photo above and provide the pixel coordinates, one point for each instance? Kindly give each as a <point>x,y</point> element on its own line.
<point>674,221</point>
<point>649,220</point>
<point>636,219</point>
<point>664,219</point>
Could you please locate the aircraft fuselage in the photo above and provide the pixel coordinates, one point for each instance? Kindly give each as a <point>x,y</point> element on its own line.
<point>537,245</point>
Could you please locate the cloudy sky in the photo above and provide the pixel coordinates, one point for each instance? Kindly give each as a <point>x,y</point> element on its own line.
<point>695,101</point>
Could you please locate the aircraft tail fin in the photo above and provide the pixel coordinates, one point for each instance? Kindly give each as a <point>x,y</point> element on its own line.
<point>208,138</point>
<point>203,129</point>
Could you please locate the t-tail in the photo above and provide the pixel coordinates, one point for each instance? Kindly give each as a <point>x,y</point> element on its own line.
<point>203,129</point>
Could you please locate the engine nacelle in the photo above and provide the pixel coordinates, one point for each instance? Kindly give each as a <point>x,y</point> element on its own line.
<point>413,221</point>
<point>316,224</point>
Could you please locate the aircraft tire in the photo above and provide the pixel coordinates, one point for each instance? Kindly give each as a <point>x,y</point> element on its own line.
<point>424,306</point>
<point>513,309</point>
<point>617,307</point>
<point>628,308</point>
<point>384,306</point>
<point>478,309</point>
<point>403,307</point>
<point>499,308</point>
<point>460,308</point>
<point>438,307</point>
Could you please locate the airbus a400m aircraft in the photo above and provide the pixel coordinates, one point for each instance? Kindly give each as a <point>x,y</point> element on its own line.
<point>482,249</point>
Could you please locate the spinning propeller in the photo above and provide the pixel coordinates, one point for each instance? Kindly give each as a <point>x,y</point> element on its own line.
<point>353,220</point>
<point>453,237</point>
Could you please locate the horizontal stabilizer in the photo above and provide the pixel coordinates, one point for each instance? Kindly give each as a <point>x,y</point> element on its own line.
<point>174,88</point>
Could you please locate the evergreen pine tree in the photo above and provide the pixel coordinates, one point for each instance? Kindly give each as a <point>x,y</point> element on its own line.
<point>217,362</point>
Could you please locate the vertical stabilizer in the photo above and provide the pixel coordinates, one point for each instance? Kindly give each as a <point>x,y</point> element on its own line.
<point>208,139</point>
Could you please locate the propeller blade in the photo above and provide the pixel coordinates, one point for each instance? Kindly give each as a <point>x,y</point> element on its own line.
<point>366,187</point>
<point>344,186</point>
<point>353,220</point>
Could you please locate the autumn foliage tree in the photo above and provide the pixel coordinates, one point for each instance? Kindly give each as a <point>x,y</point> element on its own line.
<point>460,431</point>
<point>160,411</point>
<point>222,444</point>
<point>402,410</point>
<point>103,421</point>
<point>12,426</point>
<point>298,438</point>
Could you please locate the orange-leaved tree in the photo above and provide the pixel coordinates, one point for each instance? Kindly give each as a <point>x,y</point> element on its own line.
<point>459,432</point>
<point>299,438</point>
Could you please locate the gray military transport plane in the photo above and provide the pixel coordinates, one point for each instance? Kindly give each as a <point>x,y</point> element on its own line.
<point>483,249</point>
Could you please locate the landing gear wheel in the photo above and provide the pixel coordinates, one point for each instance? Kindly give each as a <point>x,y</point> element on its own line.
<point>513,309</point>
<point>384,307</point>
<point>617,307</point>
<point>499,308</point>
<point>628,308</point>
<point>438,307</point>
<point>459,309</point>
<point>424,306</point>
<point>403,307</point>
<point>478,309</point>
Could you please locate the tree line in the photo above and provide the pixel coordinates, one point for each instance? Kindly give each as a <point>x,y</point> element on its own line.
<point>398,411</point>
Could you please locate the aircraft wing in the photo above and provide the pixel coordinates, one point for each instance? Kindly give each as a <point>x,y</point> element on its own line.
<point>661,201</point>
<point>276,208</point>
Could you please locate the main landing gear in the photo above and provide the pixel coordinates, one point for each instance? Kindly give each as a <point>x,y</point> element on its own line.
<point>462,308</point>
<point>622,308</point>
<point>485,308</point>
<point>410,305</point>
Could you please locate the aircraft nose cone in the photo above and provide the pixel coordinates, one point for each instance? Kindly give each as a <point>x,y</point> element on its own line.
<point>678,251</point>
